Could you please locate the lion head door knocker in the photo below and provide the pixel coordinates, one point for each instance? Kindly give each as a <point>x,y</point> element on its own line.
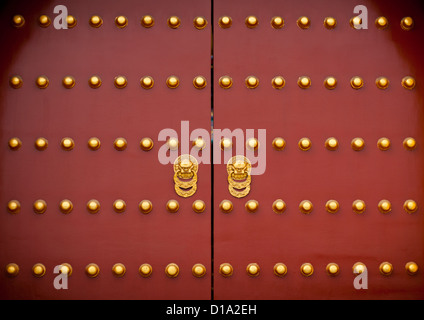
<point>239,178</point>
<point>185,175</point>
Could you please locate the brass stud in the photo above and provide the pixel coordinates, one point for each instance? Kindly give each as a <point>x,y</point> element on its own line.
<point>16,82</point>
<point>172,206</point>
<point>120,82</point>
<point>382,83</point>
<point>199,82</point>
<point>95,82</point>
<point>67,144</point>
<point>330,83</point>
<point>251,82</point>
<point>12,269</point>
<point>94,143</point>
<point>119,270</point>
<point>199,206</point>
<point>15,143</point>
<point>277,22</point>
<point>68,82</point>
<point>304,144</point>
<point>279,143</point>
<point>226,206</point>
<point>66,206</point>
<point>355,22</point>
<point>199,143</point>
<point>18,21</point>
<point>251,22</point>
<point>253,269</point>
<point>358,206</point>
<point>304,82</point>
<point>384,206</point>
<point>408,82</point>
<point>174,22</point>
<point>198,270</point>
<point>38,270</point>
<point>330,23</point>
<point>306,269</point>
<point>252,206</point>
<point>303,22</point>
<point>66,269</point>
<point>93,206</point>
<point>411,268</point>
<point>383,144</point>
<point>146,144</point>
<point>358,144</point>
<point>278,82</point>
<point>120,144</point>
<point>145,270</point>
<point>71,21</point>
<point>40,206</point>
<point>356,82</point>
<point>41,144</point>
<point>306,206</point>
<point>147,82</point>
<point>332,269</point>
<point>226,269</point>
<point>200,23</point>
<point>359,268</point>
<point>172,270</point>
<point>147,21</point>
<point>145,206</point>
<point>42,82</point>
<point>226,143</point>
<point>332,144</point>
<point>252,144</point>
<point>172,82</point>
<point>410,206</point>
<point>172,143</point>
<point>332,206</point>
<point>409,143</point>
<point>225,82</point>
<point>386,268</point>
<point>14,206</point>
<point>407,23</point>
<point>280,269</point>
<point>92,270</point>
<point>96,21</point>
<point>44,21</point>
<point>119,206</point>
<point>121,21</point>
<point>225,22</point>
<point>279,206</point>
<point>381,23</point>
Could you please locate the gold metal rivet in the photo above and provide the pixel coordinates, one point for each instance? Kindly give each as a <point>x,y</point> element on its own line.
<point>226,206</point>
<point>44,21</point>
<point>226,143</point>
<point>332,269</point>
<point>40,206</point>
<point>411,268</point>
<point>71,21</point>
<point>121,21</point>
<point>303,22</point>
<point>95,82</point>
<point>252,205</point>
<point>330,22</point>
<point>147,82</point>
<point>279,143</point>
<point>358,206</point>
<point>279,206</point>
<point>356,82</point>
<point>225,82</point>
<point>383,144</point>
<point>15,143</point>
<point>384,206</point>
<point>253,269</point>
<point>277,22</point>
<point>304,144</point>
<point>172,143</point>
<point>251,22</point>
<point>119,270</point>
<point>407,23</point>
<point>145,206</point>
<point>146,144</point>
<point>408,82</point>
<point>330,83</point>
<point>42,82</point>
<point>280,269</point>
<point>13,206</point>
<point>355,22</point>
<point>174,22</point>
<point>251,82</point>
<point>252,144</point>
<point>331,144</point>
<point>93,143</point>
<point>410,206</point>
<point>226,269</point>
<point>172,82</point>
<point>93,206</point>
<point>92,270</point>
<point>306,269</point>
<point>41,144</point>
<point>332,206</point>
<point>381,23</point>
<point>38,270</point>
<point>68,82</point>
<point>386,268</point>
<point>16,82</point>
<point>382,83</point>
<point>67,144</point>
<point>304,82</point>
<point>18,21</point>
<point>198,270</point>
<point>147,21</point>
<point>409,143</point>
<point>306,206</point>
<point>119,205</point>
<point>172,270</point>
<point>66,269</point>
<point>199,143</point>
<point>278,82</point>
<point>359,268</point>
<point>66,206</point>
<point>199,82</point>
<point>172,206</point>
<point>145,270</point>
<point>200,23</point>
<point>96,21</point>
<point>120,82</point>
<point>225,22</point>
<point>199,206</point>
<point>358,144</point>
<point>120,144</point>
<point>12,269</point>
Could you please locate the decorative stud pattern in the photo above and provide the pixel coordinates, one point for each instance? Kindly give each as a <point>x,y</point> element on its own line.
<point>199,143</point>
<point>18,21</point>
<point>407,23</point>
<point>38,270</point>
<point>409,143</point>
<point>145,270</point>
<point>358,206</point>
<point>280,269</point>
<point>147,21</point>
<point>279,206</point>
<point>332,144</point>
<point>15,143</point>
<point>277,22</point>
<point>199,206</point>
<point>303,22</point>
<point>147,82</point>
<point>358,144</point>
<point>39,206</point>
<point>42,82</point>
<point>307,269</point>
<point>226,270</point>
<point>251,82</point>
<point>119,270</point>
<point>67,144</point>
<point>304,82</point>
<point>200,23</point>
<point>172,270</point>
<point>330,83</point>
<point>120,144</point>
<point>384,206</point>
<point>71,21</point>
<point>410,206</point>
<point>386,268</point>
<point>253,269</point>
<point>95,82</point>
<point>226,206</point>
<point>330,23</point>
<point>121,21</point>
<point>66,269</point>
<point>381,23</point>
<point>383,144</point>
<point>278,82</point>
<point>16,82</point>
<point>172,206</point>
<point>279,143</point>
<point>14,206</point>
<point>172,143</point>
<point>44,21</point>
<point>68,82</point>
<point>359,268</point>
<point>146,144</point>
<point>252,206</point>
<point>225,82</point>
<point>93,206</point>
<point>382,83</point>
<point>174,22</point>
<point>356,82</point>
<point>120,82</point>
<point>306,206</point>
<point>355,22</point>
<point>226,143</point>
<point>119,206</point>
<point>145,206</point>
<point>41,144</point>
<point>198,270</point>
<point>94,143</point>
<point>251,22</point>
<point>66,206</point>
<point>92,270</point>
<point>332,206</point>
<point>172,82</point>
<point>96,21</point>
<point>304,144</point>
<point>332,269</point>
<point>199,82</point>
<point>411,268</point>
<point>12,269</point>
<point>225,22</point>
<point>408,83</point>
<point>252,144</point>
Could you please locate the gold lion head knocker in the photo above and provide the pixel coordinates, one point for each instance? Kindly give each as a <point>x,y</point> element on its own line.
<point>185,175</point>
<point>239,178</point>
